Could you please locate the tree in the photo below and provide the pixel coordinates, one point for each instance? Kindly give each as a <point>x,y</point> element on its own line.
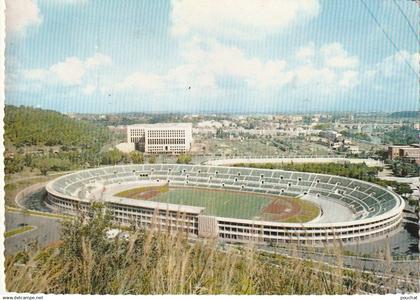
<point>75,231</point>
<point>152,159</point>
<point>382,154</point>
<point>401,136</point>
<point>113,157</point>
<point>13,165</point>
<point>31,126</point>
<point>403,189</point>
<point>44,167</point>
<point>404,169</point>
<point>136,157</point>
<point>184,158</point>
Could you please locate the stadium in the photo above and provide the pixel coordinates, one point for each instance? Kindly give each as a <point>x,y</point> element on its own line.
<point>234,204</point>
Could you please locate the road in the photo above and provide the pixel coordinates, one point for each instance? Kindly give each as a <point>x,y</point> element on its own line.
<point>47,231</point>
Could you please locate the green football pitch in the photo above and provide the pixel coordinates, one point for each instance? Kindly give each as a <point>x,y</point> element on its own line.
<point>217,203</point>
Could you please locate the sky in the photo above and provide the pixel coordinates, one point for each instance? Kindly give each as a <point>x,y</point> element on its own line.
<point>201,56</point>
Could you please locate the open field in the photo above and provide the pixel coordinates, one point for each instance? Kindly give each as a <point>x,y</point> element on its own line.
<point>230,204</point>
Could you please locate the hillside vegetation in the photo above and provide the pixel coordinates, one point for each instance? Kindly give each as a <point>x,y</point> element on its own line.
<point>46,140</point>
<point>401,136</point>
<point>27,126</point>
<point>405,114</point>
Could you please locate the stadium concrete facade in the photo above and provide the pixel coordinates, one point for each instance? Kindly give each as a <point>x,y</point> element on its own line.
<point>374,211</point>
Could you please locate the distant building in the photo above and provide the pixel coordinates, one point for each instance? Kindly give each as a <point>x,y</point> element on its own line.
<point>353,149</point>
<point>411,152</point>
<point>171,138</point>
<point>330,134</point>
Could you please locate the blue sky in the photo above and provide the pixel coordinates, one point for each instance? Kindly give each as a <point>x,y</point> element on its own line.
<point>235,56</point>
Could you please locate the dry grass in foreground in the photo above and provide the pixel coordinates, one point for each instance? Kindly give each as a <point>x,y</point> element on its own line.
<point>158,262</point>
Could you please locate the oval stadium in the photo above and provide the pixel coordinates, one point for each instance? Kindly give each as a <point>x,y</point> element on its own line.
<point>234,204</point>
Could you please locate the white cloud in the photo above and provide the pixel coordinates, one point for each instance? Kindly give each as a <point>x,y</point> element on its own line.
<point>329,68</point>
<point>21,14</point>
<point>349,79</point>
<point>336,57</point>
<point>395,65</point>
<point>89,89</point>
<point>35,74</point>
<point>204,61</point>
<point>70,72</point>
<point>306,53</point>
<point>239,18</point>
<point>97,60</point>
<point>322,79</point>
<point>141,81</point>
<point>404,57</point>
<point>70,2</point>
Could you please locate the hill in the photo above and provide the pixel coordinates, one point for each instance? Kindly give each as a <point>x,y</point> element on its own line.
<point>404,114</point>
<point>27,126</point>
<point>47,140</point>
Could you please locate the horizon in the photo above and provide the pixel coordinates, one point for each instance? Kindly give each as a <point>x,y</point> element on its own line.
<point>246,57</point>
<point>203,113</point>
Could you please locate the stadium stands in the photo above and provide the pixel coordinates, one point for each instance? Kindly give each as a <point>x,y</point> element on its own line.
<point>376,210</point>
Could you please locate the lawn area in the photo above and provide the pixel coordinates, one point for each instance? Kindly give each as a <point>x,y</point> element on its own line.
<point>18,231</point>
<point>229,204</point>
<point>217,203</point>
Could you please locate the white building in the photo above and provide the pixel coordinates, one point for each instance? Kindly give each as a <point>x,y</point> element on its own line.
<point>161,138</point>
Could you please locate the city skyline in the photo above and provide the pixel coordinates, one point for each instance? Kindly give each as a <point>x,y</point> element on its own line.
<point>197,56</point>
